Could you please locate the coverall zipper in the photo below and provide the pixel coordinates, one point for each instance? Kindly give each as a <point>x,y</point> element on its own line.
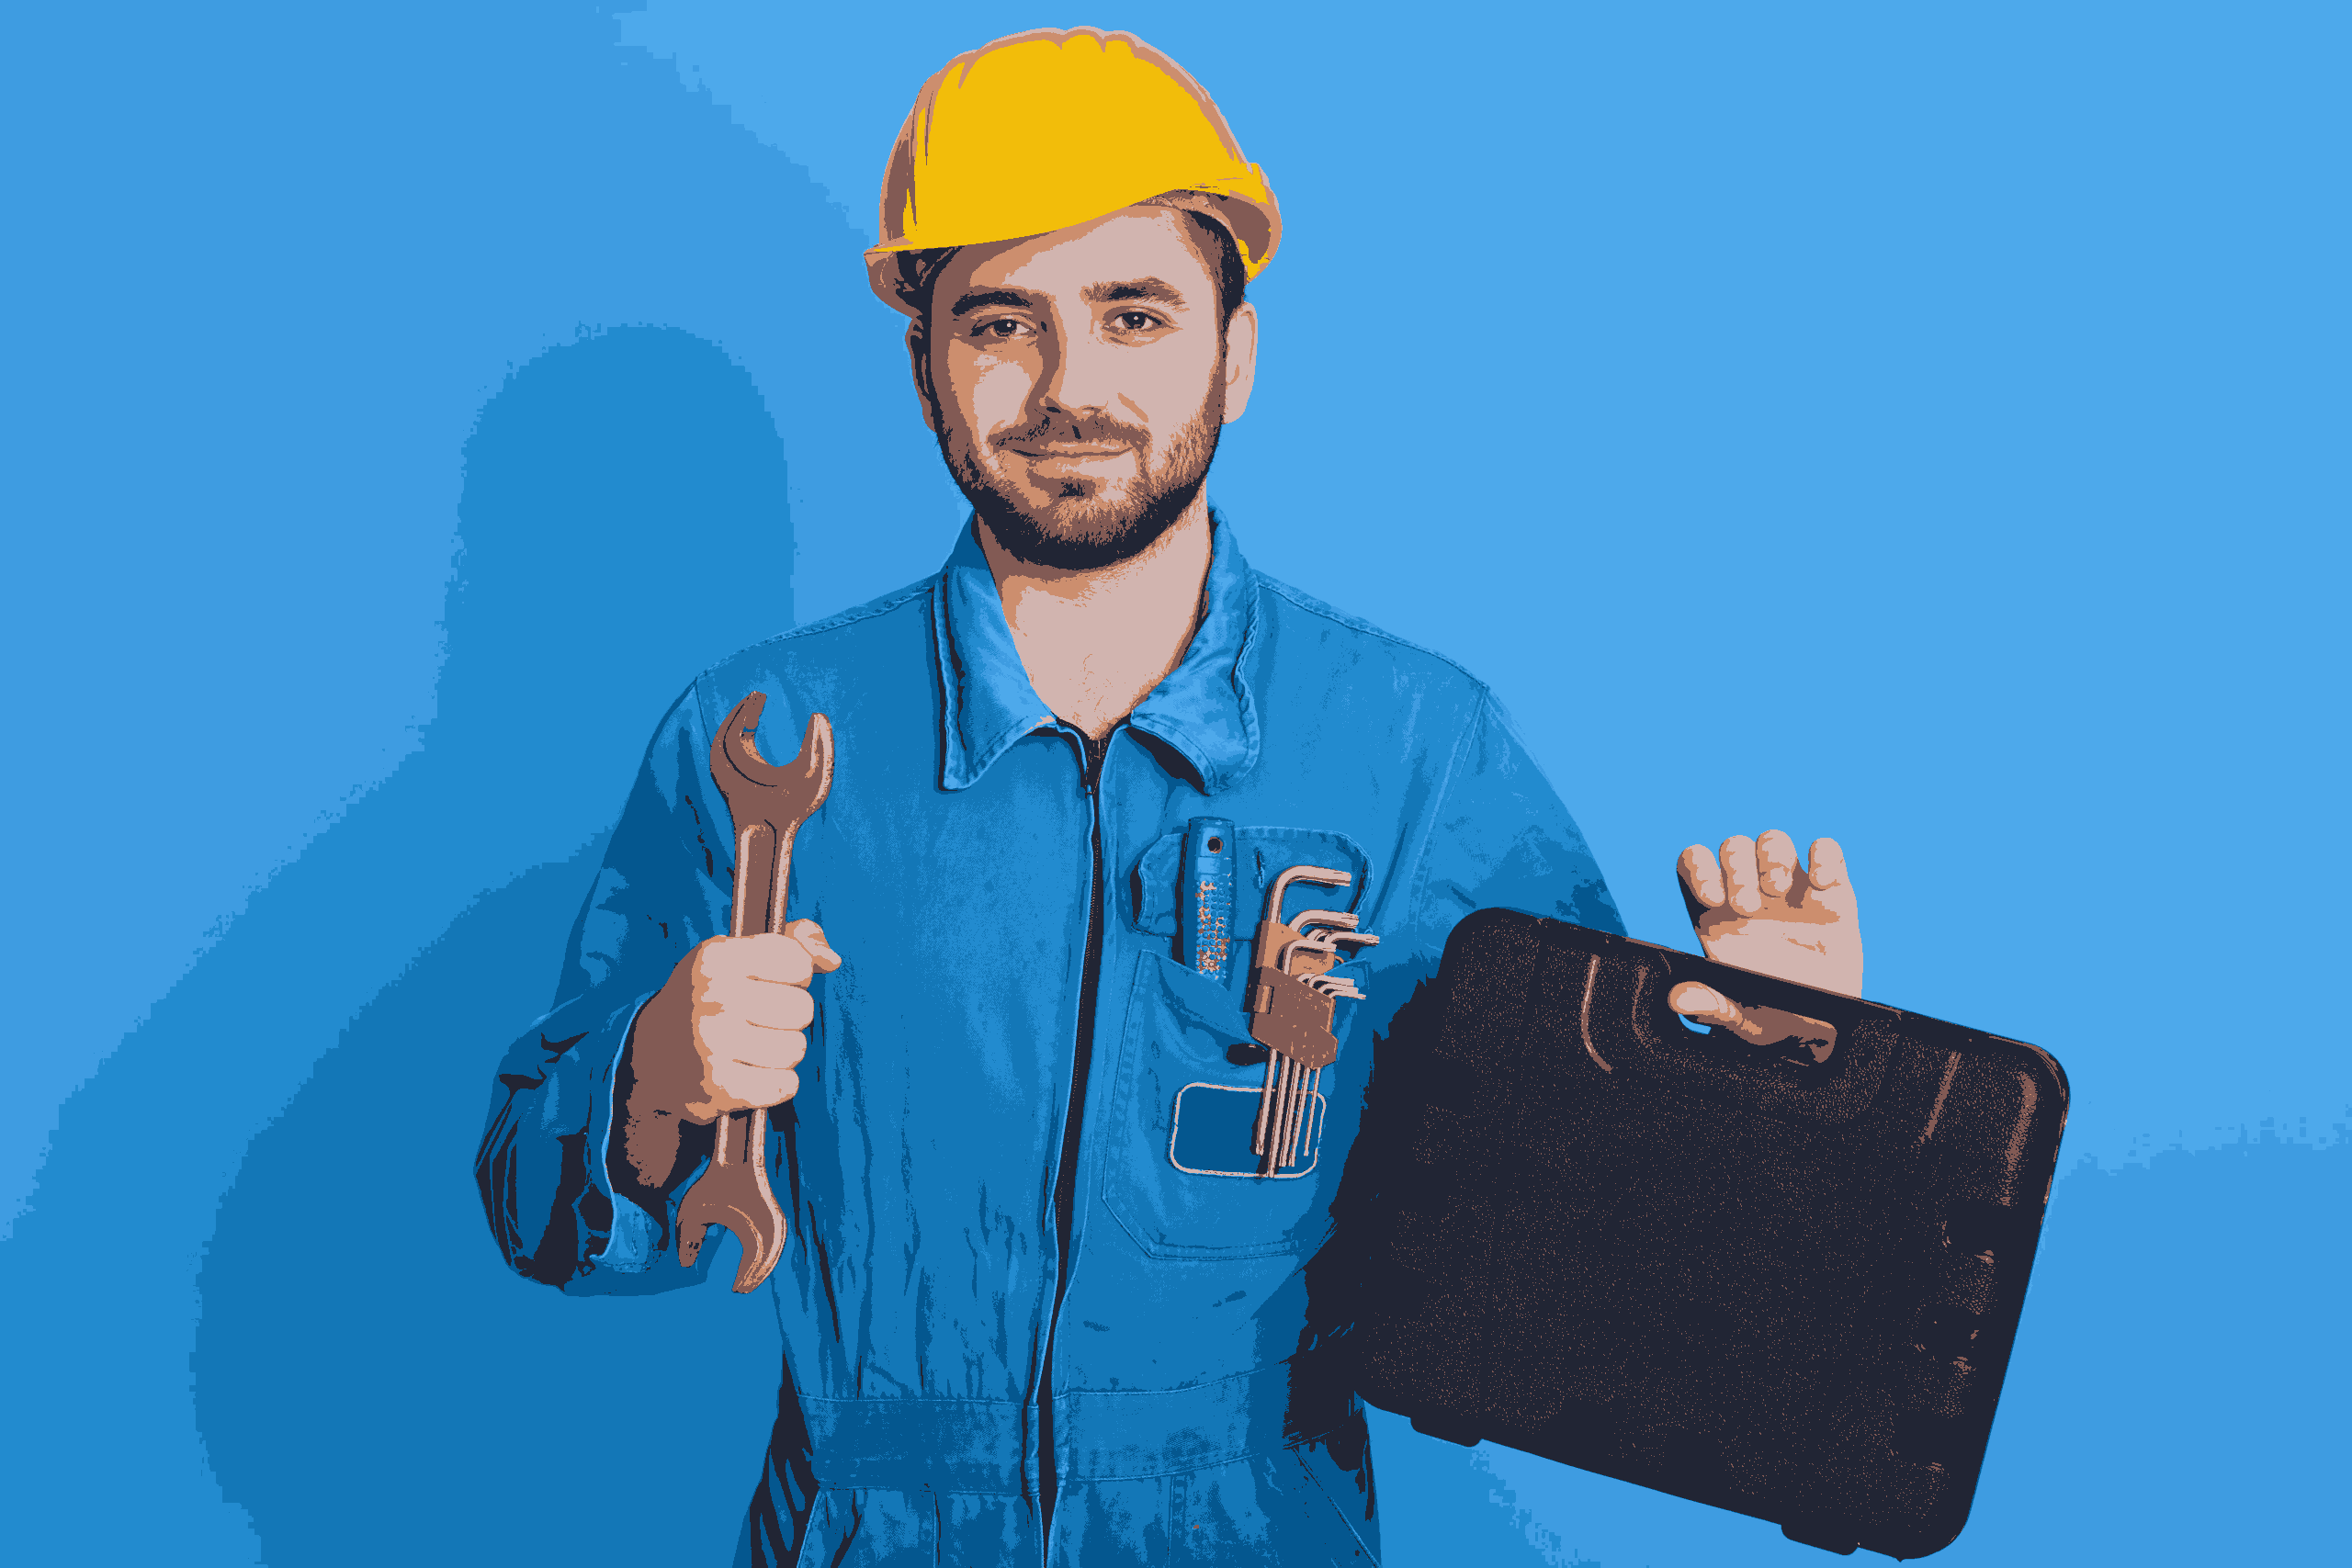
<point>1066,1177</point>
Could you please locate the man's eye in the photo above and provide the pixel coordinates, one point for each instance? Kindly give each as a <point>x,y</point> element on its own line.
<point>1136,320</point>
<point>1002,329</point>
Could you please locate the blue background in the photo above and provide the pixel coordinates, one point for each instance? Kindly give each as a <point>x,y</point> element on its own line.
<point>1923,425</point>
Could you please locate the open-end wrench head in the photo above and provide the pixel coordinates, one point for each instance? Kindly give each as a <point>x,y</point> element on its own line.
<point>775,792</point>
<point>753,1230</point>
<point>733,1191</point>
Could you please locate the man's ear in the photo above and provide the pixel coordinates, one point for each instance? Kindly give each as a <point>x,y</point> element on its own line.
<point>919,360</point>
<point>1240,360</point>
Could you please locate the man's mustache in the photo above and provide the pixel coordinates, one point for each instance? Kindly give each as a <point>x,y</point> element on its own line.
<point>1091,428</point>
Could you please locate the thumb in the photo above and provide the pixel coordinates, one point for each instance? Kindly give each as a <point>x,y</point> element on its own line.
<point>1705,1004</point>
<point>811,935</point>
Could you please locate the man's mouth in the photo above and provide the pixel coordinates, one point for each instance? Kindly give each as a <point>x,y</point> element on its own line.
<point>1069,449</point>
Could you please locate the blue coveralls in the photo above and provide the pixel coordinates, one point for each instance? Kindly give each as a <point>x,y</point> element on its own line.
<point>1007,920</point>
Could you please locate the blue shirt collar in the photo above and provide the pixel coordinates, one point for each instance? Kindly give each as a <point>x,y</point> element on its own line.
<point>1203,711</point>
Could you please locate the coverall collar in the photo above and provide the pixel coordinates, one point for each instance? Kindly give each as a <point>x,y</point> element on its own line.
<point>1203,710</point>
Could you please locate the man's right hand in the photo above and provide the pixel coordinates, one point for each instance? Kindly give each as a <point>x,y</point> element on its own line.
<point>727,1030</point>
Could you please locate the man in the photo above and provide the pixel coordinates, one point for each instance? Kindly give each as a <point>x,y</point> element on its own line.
<point>1016,1327</point>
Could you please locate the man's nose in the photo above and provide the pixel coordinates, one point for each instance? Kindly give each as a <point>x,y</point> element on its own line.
<point>1081,372</point>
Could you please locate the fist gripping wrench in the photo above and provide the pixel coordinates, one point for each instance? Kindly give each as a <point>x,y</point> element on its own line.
<point>768,803</point>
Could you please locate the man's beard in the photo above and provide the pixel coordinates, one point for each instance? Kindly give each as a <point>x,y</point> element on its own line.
<point>1079,532</point>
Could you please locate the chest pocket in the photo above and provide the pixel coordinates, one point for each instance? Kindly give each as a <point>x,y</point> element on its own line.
<point>1265,855</point>
<point>1180,1175</point>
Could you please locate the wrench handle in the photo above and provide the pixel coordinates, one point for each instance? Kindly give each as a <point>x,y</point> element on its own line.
<point>734,1191</point>
<point>734,1148</point>
<point>762,872</point>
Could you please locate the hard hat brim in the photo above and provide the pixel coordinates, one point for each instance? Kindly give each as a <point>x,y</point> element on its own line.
<point>1253,219</point>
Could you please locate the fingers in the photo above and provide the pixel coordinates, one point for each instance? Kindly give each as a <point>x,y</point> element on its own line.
<point>1757,1026</point>
<point>751,1008</point>
<point>737,1087</point>
<point>1705,1004</point>
<point>765,986</point>
<point>1825,863</point>
<point>1740,881</point>
<point>1776,863</point>
<point>777,1006</point>
<point>783,958</point>
<point>748,1064</point>
<point>1702,878</point>
<point>730,1028</point>
<point>743,1052</point>
<point>744,1068</point>
<point>1754,872</point>
<point>772,1091</point>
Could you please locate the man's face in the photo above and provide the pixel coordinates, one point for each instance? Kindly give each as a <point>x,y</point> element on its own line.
<point>1077,382</point>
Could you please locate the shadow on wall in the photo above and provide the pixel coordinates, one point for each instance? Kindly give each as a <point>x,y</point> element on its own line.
<point>371,1383</point>
<point>303,232</point>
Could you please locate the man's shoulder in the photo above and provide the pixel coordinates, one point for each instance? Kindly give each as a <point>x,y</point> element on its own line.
<point>848,636</point>
<point>1350,640</point>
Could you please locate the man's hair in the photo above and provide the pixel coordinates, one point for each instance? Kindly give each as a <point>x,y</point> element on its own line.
<point>918,270</point>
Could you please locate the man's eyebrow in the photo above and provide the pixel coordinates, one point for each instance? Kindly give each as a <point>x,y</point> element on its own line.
<point>1151,289</point>
<point>982,298</point>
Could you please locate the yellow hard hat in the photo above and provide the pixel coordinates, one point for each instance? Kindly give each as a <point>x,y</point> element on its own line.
<point>1052,128</point>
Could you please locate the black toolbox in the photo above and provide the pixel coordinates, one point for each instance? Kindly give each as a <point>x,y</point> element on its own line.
<point>1782,1280</point>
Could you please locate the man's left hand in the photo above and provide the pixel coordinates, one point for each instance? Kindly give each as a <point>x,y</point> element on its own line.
<point>1756,907</point>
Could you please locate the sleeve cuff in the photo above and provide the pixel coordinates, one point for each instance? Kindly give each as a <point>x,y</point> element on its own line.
<point>637,1235</point>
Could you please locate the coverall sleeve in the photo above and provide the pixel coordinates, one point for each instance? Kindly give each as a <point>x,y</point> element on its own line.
<point>559,1214</point>
<point>1501,838</point>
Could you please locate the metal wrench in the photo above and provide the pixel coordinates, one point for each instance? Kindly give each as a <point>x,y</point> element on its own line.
<point>768,803</point>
